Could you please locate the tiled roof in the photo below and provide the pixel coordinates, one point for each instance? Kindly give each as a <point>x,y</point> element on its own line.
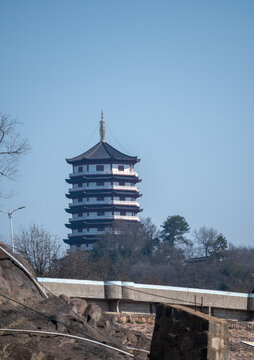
<point>102,151</point>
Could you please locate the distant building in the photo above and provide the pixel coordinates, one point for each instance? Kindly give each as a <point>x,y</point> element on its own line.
<point>103,191</point>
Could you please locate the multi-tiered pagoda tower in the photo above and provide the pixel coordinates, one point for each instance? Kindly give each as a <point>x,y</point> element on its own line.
<point>103,191</point>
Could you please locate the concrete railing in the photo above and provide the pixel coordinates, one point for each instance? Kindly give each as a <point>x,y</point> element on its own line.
<point>95,217</point>
<point>105,172</point>
<point>140,297</point>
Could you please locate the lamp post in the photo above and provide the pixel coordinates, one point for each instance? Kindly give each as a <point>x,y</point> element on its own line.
<point>9,212</point>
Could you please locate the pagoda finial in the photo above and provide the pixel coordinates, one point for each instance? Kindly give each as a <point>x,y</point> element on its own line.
<point>102,128</point>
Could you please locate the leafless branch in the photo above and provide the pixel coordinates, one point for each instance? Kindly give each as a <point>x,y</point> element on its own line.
<point>12,146</point>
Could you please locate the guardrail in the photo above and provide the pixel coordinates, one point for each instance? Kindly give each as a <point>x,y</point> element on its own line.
<point>140,297</point>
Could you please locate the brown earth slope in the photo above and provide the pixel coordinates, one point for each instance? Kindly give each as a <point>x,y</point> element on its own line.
<point>54,315</point>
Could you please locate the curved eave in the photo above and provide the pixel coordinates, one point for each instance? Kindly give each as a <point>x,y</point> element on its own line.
<point>102,152</point>
<point>105,222</point>
<point>80,240</point>
<point>111,160</point>
<point>105,177</point>
<point>103,192</point>
<point>92,208</point>
<point>106,207</point>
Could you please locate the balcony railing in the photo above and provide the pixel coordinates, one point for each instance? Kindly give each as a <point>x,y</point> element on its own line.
<point>97,217</point>
<point>85,232</point>
<point>105,202</point>
<point>105,172</point>
<point>106,187</point>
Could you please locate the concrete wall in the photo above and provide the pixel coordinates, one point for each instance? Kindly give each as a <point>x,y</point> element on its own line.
<point>128,296</point>
<point>181,333</point>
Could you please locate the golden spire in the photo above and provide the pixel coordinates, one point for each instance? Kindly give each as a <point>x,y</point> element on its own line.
<point>102,128</point>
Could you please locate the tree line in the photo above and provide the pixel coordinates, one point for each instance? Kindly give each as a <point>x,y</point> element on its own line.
<point>142,253</point>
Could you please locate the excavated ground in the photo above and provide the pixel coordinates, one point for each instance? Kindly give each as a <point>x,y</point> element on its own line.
<point>74,317</point>
<point>70,316</point>
<point>238,331</point>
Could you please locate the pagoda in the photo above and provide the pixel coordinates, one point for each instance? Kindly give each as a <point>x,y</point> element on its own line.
<point>103,191</point>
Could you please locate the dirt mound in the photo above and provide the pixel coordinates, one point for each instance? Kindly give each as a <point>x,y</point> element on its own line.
<point>53,315</point>
<point>14,282</point>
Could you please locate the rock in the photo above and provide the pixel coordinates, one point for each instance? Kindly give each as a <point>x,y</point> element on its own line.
<point>93,312</point>
<point>64,298</point>
<point>14,282</point>
<point>78,305</point>
<point>53,314</point>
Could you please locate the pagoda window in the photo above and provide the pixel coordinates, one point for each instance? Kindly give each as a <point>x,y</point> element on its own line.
<point>87,213</point>
<point>100,213</point>
<point>122,213</point>
<point>87,199</point>
<point>100,198</point>
<point>80,169</point>
<point>80,184</point>
<point>100,228</point>
<point>121,183</point>
<point>121,167</point>
<point>80,230</point>
<point>112,212</point>
<point>100,183</point>
<point>88,229</point>
<point>122,198</point>
<point>131,168</point>
<point>80,214</point>
<point>99,167</point>
<point>80,199</point>
<point>87,168</point>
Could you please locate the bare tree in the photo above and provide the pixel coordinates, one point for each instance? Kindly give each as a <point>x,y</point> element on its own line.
<point>209,240</point>
<point>40,248</point>
<point>12,146</point>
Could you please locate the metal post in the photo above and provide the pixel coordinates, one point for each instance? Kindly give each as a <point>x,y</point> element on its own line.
<point>11,231</point>
<point>9,213</point>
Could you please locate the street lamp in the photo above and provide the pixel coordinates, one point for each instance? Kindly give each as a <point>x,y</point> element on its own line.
<point>11,228</point>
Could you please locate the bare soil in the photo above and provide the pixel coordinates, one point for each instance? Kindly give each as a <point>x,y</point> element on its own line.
<point>22,306</point>
<point>238,331</point>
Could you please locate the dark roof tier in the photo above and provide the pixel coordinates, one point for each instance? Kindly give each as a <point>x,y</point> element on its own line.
<point>103,192</point>
<point>94,222</point>
<point>84,208</point>
<point>106,177</point>
<point>81,240</point>
<point>107,207</point>
<point>102,151</point>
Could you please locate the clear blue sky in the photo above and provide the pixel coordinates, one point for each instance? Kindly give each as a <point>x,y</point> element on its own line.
<point>175,80</point>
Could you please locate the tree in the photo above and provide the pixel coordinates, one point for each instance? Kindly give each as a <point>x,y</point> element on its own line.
<point>125,242</point>
<point>40,248</point>
<point>209,241</point>
<point>173,230</point>
<point>152,235</point>
<point>12,146</point>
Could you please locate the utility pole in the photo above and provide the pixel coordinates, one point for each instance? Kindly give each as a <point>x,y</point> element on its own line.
<point>9,212</point>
